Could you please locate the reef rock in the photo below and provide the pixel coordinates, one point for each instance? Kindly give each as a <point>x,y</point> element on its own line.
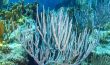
<point>12,54</point>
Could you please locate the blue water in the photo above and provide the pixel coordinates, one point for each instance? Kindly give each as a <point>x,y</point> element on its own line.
<point>26,1</point>
<point>47,3</point>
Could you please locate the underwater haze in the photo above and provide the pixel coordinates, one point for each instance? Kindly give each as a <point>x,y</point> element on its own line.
<point>54,32</point>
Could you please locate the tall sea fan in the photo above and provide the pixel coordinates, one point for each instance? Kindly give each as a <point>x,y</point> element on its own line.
<point>54,41</point>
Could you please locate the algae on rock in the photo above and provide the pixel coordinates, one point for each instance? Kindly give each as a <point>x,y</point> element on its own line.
<point>1,31</point>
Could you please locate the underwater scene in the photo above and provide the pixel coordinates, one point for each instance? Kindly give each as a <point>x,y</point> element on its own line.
<point>54,32</point>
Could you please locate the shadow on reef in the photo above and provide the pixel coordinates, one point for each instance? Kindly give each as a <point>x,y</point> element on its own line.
<point>31,61</point>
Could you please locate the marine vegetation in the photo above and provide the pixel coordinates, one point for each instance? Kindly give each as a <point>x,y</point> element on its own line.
<point>56,41</point>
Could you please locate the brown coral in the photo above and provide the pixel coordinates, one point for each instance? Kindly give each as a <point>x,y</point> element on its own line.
<point>1,30</point>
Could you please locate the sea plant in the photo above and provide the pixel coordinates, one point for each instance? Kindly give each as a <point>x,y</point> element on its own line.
<point>53,40</point>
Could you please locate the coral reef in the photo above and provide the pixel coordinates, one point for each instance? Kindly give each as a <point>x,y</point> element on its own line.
<point>59,37</point>
<point>54,42</point>
<point>17,10</point>
<point>13,17</point>
<point>12,54</point>
<point>101,54</point>
<point>1,30</point>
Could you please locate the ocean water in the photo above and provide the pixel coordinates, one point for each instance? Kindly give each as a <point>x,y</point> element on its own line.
<point>47,3</point>
<point>54,32</point>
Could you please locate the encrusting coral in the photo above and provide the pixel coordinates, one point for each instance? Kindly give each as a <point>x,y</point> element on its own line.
<point>11,52</point>
<point>1,30</point>
<point>13,17</point>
